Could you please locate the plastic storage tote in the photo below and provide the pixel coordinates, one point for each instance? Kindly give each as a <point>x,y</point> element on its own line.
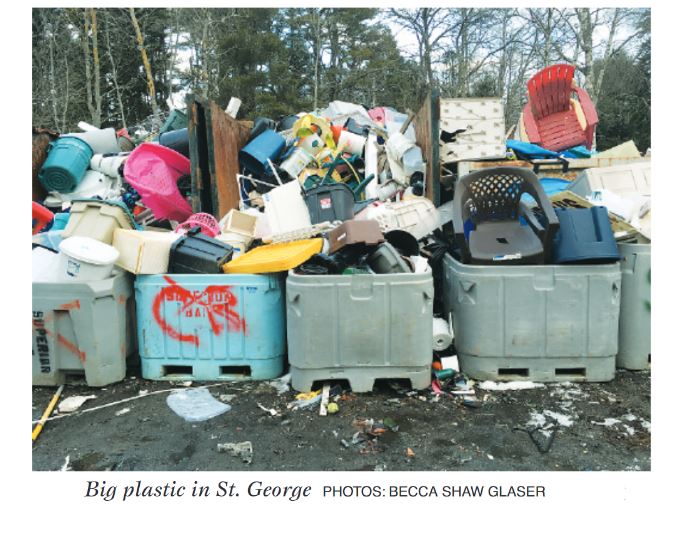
<point>82,330</point>
<point>634,350</point>
<point>541,323</point>
<point>98,219</point>
<point>584,237</point>
<point>332,202</point>
<point>359,328</point>
<point>211,327</point>
<point>198,253</point>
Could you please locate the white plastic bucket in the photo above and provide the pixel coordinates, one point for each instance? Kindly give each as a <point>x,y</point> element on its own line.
<point>351,143</point>
<point>295,164</point>
<point>86,259</point>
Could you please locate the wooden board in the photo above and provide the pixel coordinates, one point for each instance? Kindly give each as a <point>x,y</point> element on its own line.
<point>228,137</point>
<point>215,140</point>
<point>199,154</point>
<point>427,129</point>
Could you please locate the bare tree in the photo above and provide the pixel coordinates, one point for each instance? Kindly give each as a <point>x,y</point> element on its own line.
<point>87,66</point>
<point>430,26</point>
<point>96,116</point>
<point>147,66</point>
<point>114,73</point>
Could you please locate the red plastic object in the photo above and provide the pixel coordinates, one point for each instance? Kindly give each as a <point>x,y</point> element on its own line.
<point>549,119</point>
<point>377,114</point>
<point>40,216</point>
<point>153,170</point>
<point>206,222</point>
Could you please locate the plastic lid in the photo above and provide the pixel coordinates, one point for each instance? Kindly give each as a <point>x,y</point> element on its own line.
<point>89,250</point>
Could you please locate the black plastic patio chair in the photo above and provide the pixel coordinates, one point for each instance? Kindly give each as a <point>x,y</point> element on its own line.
<point>489,203</point>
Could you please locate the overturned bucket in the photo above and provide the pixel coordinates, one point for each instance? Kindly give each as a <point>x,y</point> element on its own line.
<point>67,162</point>
<point>265,147</point>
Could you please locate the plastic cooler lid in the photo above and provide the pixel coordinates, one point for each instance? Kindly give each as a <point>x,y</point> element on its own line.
<point>89,250</point>
<point>274,257</point>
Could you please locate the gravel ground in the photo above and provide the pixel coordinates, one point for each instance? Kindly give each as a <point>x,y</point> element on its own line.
<point>590,426</point>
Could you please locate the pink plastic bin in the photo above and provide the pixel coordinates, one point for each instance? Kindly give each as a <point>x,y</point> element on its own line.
<point>153,170</point>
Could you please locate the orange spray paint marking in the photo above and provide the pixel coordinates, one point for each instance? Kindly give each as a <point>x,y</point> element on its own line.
<point>72,347</point>
<point>72,305</point>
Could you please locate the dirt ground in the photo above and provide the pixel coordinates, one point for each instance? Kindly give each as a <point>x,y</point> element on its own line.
<point>590,426</point>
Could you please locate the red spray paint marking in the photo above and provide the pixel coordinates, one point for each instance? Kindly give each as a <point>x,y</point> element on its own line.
<point>215,301</point>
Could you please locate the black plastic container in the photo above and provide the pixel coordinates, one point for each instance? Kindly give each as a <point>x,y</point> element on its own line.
<point>198,253</point>
<point>332,202</point>
<point>177,140</point>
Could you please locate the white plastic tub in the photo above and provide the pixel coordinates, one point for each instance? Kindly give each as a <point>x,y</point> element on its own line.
<point>86,259</point>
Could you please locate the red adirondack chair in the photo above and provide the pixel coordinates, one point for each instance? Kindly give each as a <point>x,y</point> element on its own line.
<point>550,119</point>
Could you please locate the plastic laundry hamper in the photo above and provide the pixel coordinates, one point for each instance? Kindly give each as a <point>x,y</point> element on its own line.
<point>206,222</point>
<point>153,171</point>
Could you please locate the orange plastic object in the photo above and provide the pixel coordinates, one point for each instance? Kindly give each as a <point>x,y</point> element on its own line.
<point>274,257</point>
<point>40,216</point>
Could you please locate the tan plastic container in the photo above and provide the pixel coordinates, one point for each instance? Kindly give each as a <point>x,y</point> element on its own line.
<point>143,252</point>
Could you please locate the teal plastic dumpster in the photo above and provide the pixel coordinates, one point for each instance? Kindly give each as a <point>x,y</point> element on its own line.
<point>211,326</point>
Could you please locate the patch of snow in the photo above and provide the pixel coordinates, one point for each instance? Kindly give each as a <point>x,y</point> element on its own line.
<point>646,425</point>
<point>628,429</point>
<point>607,422</point>
<point>562,419</point>
<point>122,412</point>
<point>539,420</point>
<point>489,385</point>
<point>66,466</point>
<point>629,417</point>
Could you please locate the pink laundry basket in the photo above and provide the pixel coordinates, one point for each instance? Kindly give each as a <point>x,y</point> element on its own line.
<point>208,224</point>
<point>153,170</point>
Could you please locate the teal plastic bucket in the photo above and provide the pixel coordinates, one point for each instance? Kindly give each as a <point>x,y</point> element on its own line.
<point>67,162</point>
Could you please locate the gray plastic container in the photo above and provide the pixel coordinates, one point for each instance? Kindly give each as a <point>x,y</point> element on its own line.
<point>541,323</point>
<point>359,328</point>
<point>82,330</point>
<point>634,349</point>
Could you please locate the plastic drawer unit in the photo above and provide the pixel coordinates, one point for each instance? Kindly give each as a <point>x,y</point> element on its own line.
<point>541,323</point>
<point>634,349</point>
<point>211,327</point>
<point>359,328</point>
<point>82,330</point>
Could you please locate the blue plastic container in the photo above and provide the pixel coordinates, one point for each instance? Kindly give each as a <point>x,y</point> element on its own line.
<point>60,221</point>
<point>259,150</point>
<point>67,162</point>
<point>585,237</point>
<point>211,327</point>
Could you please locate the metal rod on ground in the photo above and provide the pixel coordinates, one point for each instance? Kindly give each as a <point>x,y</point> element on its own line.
<point>49,409</point>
